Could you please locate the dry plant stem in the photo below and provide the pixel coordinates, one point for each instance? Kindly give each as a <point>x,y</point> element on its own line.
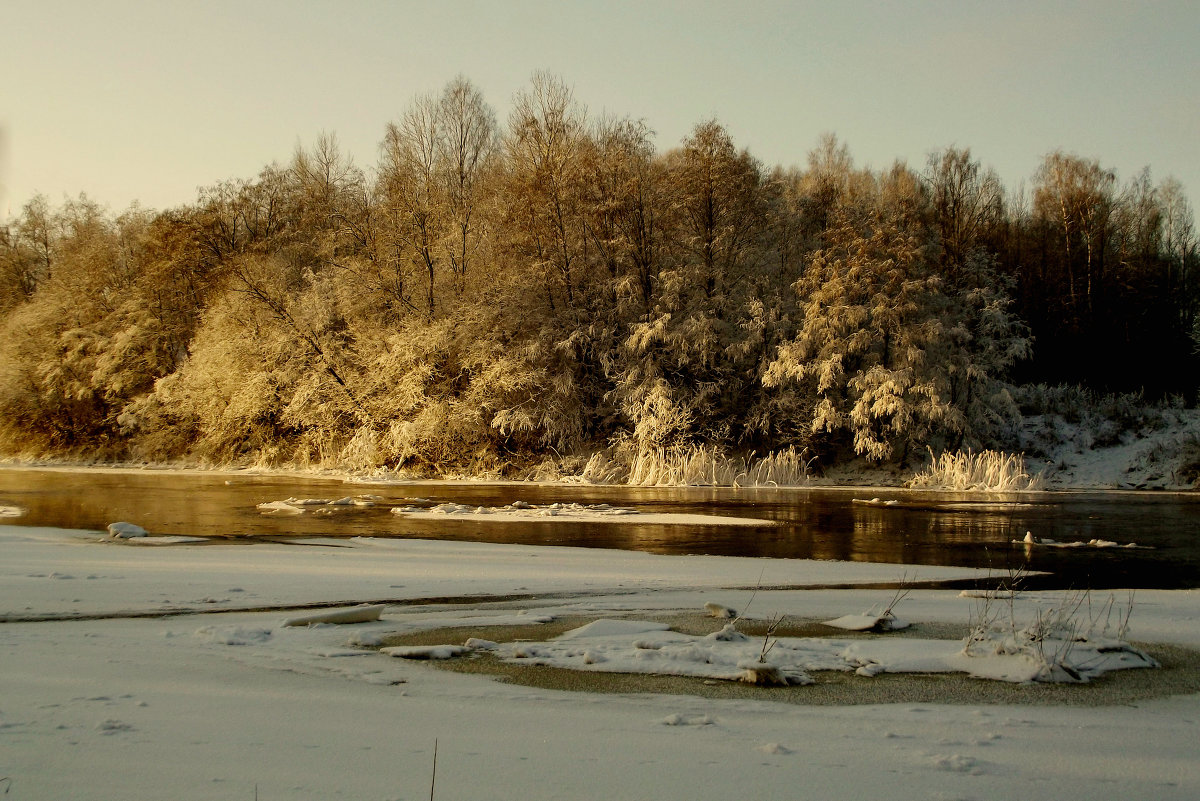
<point>984,617</point>
<point>769,639</point>
<point>901,593</point>
<point>1050,637</point>
<point>433,776</point>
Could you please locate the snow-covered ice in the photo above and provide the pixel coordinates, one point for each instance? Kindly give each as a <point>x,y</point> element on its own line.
<point>520,511</point>
<point>123,530</point>
<point>219,703</point>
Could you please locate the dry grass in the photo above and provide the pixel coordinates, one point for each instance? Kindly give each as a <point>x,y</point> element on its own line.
<point>701,466</point>
<point>987,471</point>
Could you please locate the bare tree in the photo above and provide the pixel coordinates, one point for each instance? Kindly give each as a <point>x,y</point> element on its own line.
<point>466,145</point>
<point>413,192</point>
<point>545,142</point>
<point>1075,197</point>
<point>966,200</point>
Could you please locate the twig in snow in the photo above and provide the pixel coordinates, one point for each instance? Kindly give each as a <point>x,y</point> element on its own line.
<point>433,778</point>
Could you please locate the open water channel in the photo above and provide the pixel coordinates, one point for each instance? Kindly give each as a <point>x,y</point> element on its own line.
<point>920,528</point>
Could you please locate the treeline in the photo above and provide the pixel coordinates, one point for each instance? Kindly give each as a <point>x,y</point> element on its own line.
<point>492,294</point>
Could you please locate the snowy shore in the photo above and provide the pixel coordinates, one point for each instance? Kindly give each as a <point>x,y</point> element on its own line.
<point>1160,455</point>
<point>200,701</point>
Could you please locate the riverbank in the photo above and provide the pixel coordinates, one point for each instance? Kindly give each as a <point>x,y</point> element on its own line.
<point>1160,464</point>
<point>208,702</point>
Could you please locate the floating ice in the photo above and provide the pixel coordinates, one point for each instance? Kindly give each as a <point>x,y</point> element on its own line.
<point>125,531</point>
<point>364,613</point>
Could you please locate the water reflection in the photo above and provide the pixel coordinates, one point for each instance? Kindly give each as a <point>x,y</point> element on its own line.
<point>917,529</point>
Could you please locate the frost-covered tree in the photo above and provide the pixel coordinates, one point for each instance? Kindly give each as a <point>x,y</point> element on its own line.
<point>544,184</point>
<point>466,151</point>
<point>487,297</point>
<point>25,252</point>
<point>625,215</point>
<point>414,195</point>
<point>865,353</point>
<point>681,378</point>
<point>985,339</point>
<point>97,330</point>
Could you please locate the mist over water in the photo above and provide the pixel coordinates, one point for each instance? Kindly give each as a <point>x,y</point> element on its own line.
<point>922,528</point>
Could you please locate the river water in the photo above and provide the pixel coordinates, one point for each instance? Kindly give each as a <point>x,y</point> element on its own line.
<point>920,528</point>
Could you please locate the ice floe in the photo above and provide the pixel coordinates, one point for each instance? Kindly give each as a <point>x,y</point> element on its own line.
<point>125,531</point>
<point>576,512</point>
<point>1031,540</point>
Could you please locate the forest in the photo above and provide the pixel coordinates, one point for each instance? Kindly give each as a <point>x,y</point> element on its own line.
<point>497,293</point>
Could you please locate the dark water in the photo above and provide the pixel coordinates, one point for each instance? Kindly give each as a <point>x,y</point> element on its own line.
<point>921,529</point>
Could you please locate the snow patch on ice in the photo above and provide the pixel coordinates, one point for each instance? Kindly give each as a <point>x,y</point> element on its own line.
<point>591,513</point>
<point>123,530</point>
<point>298,506</point>
<point>364,613</point>
<point>234,635</point>
<point>613,628</point>
<point>425,651</point>
<point>868,621</point>
<point>635,646</point>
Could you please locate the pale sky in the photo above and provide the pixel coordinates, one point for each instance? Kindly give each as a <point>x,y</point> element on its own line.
<point>149,101</point>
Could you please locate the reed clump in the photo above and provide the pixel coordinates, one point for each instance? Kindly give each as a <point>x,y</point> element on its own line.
<point>968,471</point>
<point>700,466</point>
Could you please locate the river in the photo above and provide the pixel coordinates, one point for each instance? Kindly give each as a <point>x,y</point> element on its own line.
<point>917,528</point>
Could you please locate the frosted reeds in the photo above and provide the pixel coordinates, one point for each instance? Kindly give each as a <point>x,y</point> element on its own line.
<point>986,471</point>
<point>706,466</point>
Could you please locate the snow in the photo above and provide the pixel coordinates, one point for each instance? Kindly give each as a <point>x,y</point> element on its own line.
<point>1074,455</point>
<point>168,672</point>
<point>1030,540</point>
<point>126,531</point>
<point>425,651</point>
<point>363,613</point>
<point>633,646</point>
<point>561,512</point>
<point>298,506</point>
<point>868,621</point>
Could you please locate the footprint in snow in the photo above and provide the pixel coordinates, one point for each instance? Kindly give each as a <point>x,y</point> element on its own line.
<point>957,763</point>
<point>113,726</point>
<point>687,720</point>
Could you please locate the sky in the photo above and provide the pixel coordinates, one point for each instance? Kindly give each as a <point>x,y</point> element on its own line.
<point>150,101</point>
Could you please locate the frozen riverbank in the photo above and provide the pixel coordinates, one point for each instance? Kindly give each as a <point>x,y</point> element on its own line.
<point>210,706</point>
